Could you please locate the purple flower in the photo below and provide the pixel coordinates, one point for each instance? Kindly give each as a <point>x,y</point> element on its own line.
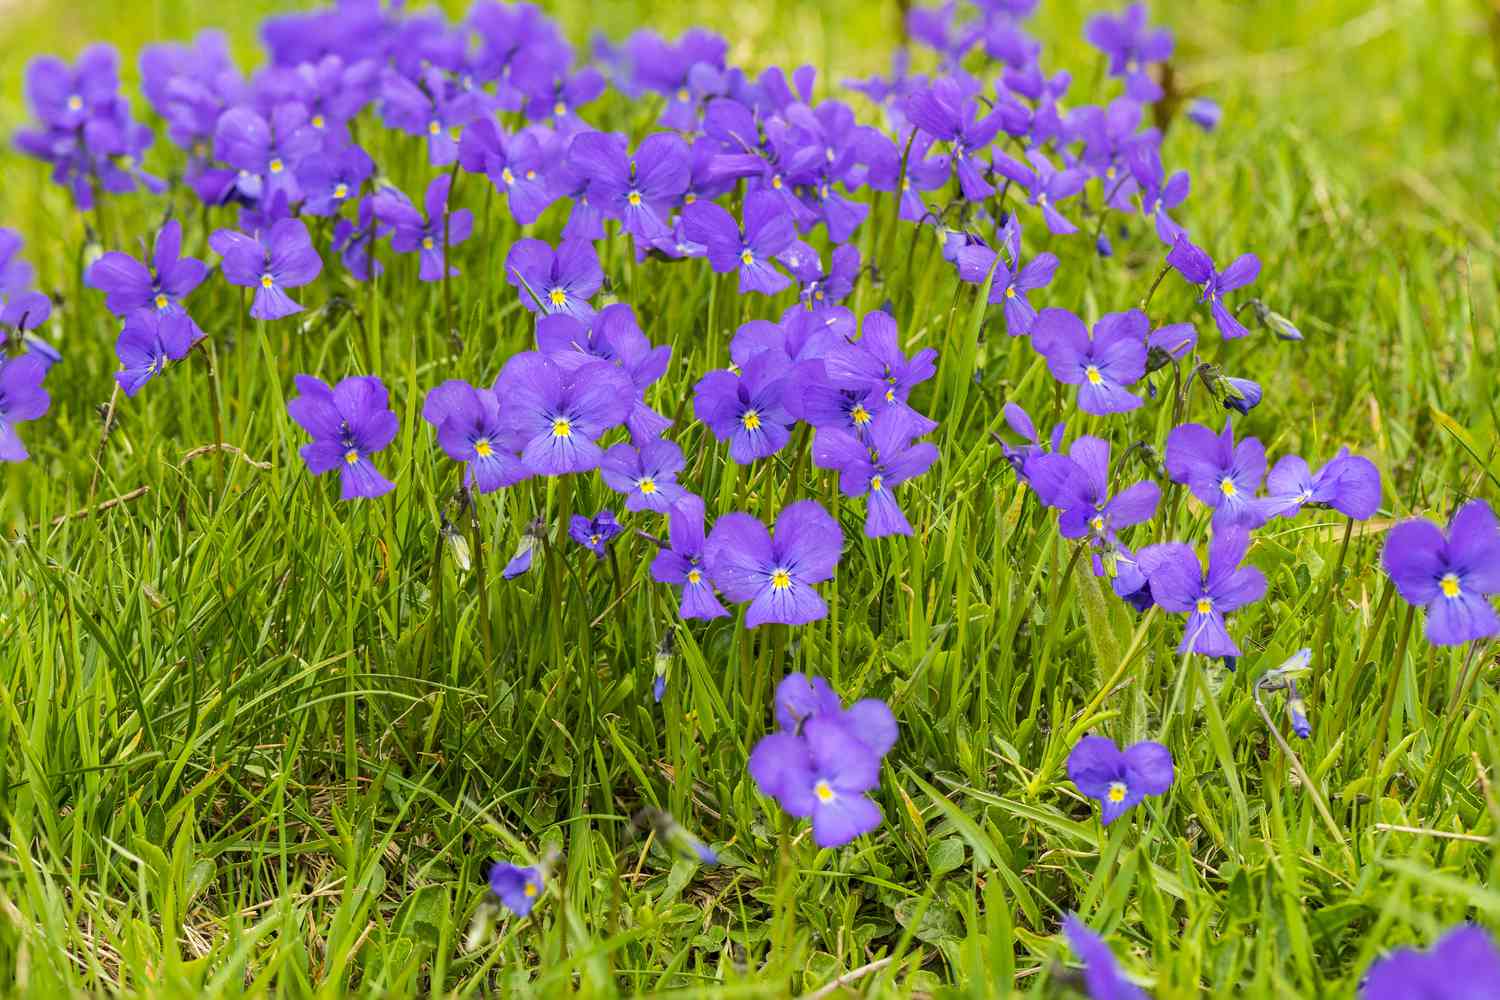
<point>331,180</point>
<point>424,235</point>
<point>1009,284</point>
<point>130,286</point>
<point>1461,965</point>
<point>520,563</point>
<point>1451,575</point>
<point>647,476</point>
<point>682,561</point>
<point>513,163</point>
<point>24,311</point>
<point>1349,484</point>
<point>820,288</point>
<point>1119,780</point>
<point>355,242</point>
<point>1046,186</point>
<point>1198,268</point>
<point>22,398</point>
<point>1180,586</point>
<point>348,423</point>
<point>284,259</point>
<point>876,364</point>
<point>470,430</point>
<point>1100,366</point>
<point>64,97</point>
<point>517,887</point>
<point>1159,193</point>
<point>595,533</point>
<point>1078,485</point>
<point>1101,974</point>
<point>1020,423</point>
<point>1204,113</point>
<point>437,109</point>
<point>1296,708</point>
<point>746,409</point>
<point>639,191</point>
<point>1240,394</point>
<point>768,231</point>
<point>555,282</point>
<point>616,337</point>
<point>875,467</point>
<point>949,114</point>
<point>551,91</point>
<point>1131,46</point>
<point>265,153</point>
<point>777,577</point>
<point>148,342</point>
<point>800,698</point>
<point>556,414</point>
<point>1220,473</point>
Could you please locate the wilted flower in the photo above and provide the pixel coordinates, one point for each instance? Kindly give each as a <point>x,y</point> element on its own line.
<point>595,533</point>
<point>1119,780</point>
<point>534,535</point>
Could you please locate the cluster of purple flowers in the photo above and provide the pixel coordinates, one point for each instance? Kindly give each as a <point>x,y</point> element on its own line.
<point>22,309</point>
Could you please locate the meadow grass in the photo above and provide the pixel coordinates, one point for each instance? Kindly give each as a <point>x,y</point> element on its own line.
<point>252,743</point>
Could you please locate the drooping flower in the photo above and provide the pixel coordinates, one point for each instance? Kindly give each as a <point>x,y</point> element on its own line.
<point>130,285</point>
<point>426,235</point>
<point>594,533</point>
<point>1240,394</point>
<point>777,577</point>
<point>22,398</point>
<point>1463,964</point>
<point>1452,575</point>
<point>148,342</point>
<point>1349,484</point>
<point>518,887</point>
<point>1046,186</point>
<point>1220,473</point>
<point>1180,586</point>
<point>1077,484</point>
<point>470,430</point>
<point>348,423</point>
<point>874,467</point>
<point>747,409</point>
<point>1101,973</point>
<point>1102,365</point>
<point>1204,113</point>
<point>555,282</point>
<point>1021,424</point>
<point>284,259</point>
<point>1198,268</point>
<point>767,232</point>
<point>1119,780</point>
<point>556,414</point>
<point>533,536</point>
<point>647,475</point>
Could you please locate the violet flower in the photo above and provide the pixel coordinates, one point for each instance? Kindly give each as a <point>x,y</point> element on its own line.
<point>1463,964</point>
<point>1102,365</point>
<point>517,887</point>
<point>1349,484</point>
<point>1010,285</point>
<point>424,235</point>
<point>1078,485</point>
<point>595,533</point>
<point>948,114</point>
<point>556,414</point>
<point>470,429</point>
<point>1198,268</point>
<point>647,476</point>
<point>776,576</point>
<point>747,409</point>
<point>1131,46</point>
<point>1221,474</point>
<point>1118,780</point>
<point>514,164</point>
<point>148,342</point>
<point>638,190</point>
<point>874,467</point>
<point>1452,575</point>
<point>130,285</point>
<point>555,282</point>
<point>1102,978</point>
<point>283,259</point>
<point>1180,586</point>
<point>615,336</point>
<point>348,423</point>
<point>22,398</point>
<point>767,231</point>
<point>681,562</point>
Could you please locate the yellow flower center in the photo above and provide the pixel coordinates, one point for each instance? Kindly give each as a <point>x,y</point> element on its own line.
<point>1041,199</point>
<point>340,192</point>
<point>562,428</point>
<point>507,176</point>
<point>530,890</point>
<point>1097,523</point>
<point>890,395</point>
<point>434,128</point>
<point>75,103</point>
<point>746,257</point>
<point>823,791</point>
<point>266,281</point>
<point>1449,583</point>
<point>1204,605</point>
<point>1109,174</point>
<point>531,176</point>
<point>683,94</point>
<point>1227,487</point>
<point>689,198</point>
<point>634,198</point>
<point>877,483</point>
<point>161,302</point>
<point>1010,292</point>
<point>1092,374</point>
<point>317,121</point>
<point>351,456</point>
<point>277,166</point>
<point>776,182</point>
<point>750,420</point>
<point>427,243</point>
<point>780,579</point>
<point>647,486</point>
<point>559,109</point>
<point>557,297</point>
<point>859,415</point>
<point>1116,791</point>
<point>694,577</point>
<point>483,448</point>
<point>593,539</point>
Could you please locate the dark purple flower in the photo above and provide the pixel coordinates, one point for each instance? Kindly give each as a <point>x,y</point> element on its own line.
<point>1198,268</point>
<point>348,423</point>
<point>148,342</point>
<point>557,414</point>
<point>1131,46</point>
<point>355,241</point>
<point>768,231</point>
<point>681,562</point>
<point>22,398</point>
<point>874,467</point>
<point>1046,186</point>
<point>517,887</point>
<point>424,234</point>
<point>777,577</point>
<point>1350,484</point>
<point>470,430</point>
<point>1180,586</point>
<point>1102,365</point>
<point>284,259</point>
<point>1119,780</point>
<point>616,337</point>
<point>130,285</point>
<point>555,282</point>
<point>1220,473</point>
<point>747,409</point>
<point>1159,193</point>
<point>1296,708</point>
<point>1452,575</point>
<point>1078,485</point>
<point>1170,343</point>
<point>1102,978</point>
<point>640,190</point>
<point>595,533</point>
<point>1463,964</point>
<point>646,476</point>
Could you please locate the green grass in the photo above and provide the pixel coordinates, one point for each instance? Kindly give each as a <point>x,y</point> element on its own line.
<point>251,742</point>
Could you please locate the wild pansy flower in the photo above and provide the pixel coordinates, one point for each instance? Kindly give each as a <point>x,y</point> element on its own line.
<point>24,311</point>
<point>148,342</point>
<point>876,363</point>
<point>1221,474</point>
<point>1125,577</point>
<point>1349,484</point>
<point>747,409</point>
<point>1463,964</point>
<point>1102,365</point>
<point>355,241</point>
<point>1132,46</point>
<point>1102,978</point>
<point>874,467</point>
<point>130,285</point>
<point>638,190</point>
<point>1020,423</point>
<point>1119,780</point>
<point>1010,285</point>
<point>264,154</point>
<point>64,97</point>
<point>1199,269</point>
<point>1204,113</point>
<point>534,535</point>
<point>1452,575</point>
<point>517,887</point>
<point>334,179</point>
<point>1045,185</point>
<point>681,562</point>
<point>615,336</point>
<point>1159,193</point>
<point>22,398</point>
<point>825,759</point>
<point>515,165</point>
<point>435,109</point>
<point>470,429</point>
<point>776,576</point>
<point>1180,586</point>
<point>1109,134</point>
<point>946,112</point>
<point>1077,484</point>
<point>820,288</point>
<point>551,90</point>
<point>348,423</point>
<point>594,533</point>
<point>560,281</point>
<point>283,259</point>
<point>647,475</point>
<point>767,232</point>
<point>557,414</point>
<point>429,235</point>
